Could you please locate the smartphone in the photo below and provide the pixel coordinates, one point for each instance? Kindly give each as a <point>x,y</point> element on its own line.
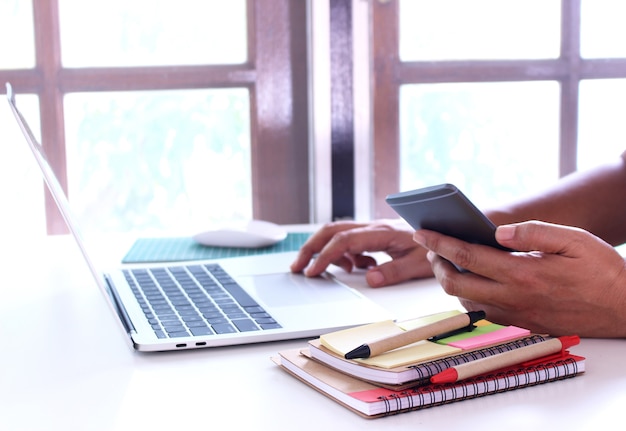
<point>445,209</point>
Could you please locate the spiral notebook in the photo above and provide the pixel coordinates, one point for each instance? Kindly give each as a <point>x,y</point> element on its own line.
<point>371,401</point>
<point>412,374</point>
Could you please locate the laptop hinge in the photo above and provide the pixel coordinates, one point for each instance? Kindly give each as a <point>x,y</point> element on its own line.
<point>119,308</point>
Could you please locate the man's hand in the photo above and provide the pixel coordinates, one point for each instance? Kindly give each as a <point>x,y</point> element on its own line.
<point>563,280</point>
<point>345,244</point>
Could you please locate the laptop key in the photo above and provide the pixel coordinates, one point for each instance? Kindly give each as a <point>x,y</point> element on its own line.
<point>173,327</point>
<point>213,315</point>
<point>198,324</point>
<point>270,326</point>
<point>224,328</point>
<point>263,321</point>
<point>245,325</point>
<point>178,334</point>
<point>259,315</point>
<point>240,295</point>
<point>201,331</point>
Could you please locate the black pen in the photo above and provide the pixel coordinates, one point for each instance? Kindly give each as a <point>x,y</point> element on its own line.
<point>383,345</point>
<point>463,330</point>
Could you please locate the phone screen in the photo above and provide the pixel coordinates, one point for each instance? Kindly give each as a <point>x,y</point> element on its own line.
<point>445,209</point>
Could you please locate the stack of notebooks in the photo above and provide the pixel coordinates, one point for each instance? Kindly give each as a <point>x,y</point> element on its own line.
<point>401,380</point>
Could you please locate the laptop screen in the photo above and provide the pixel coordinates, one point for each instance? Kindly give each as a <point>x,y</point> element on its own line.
<point>51,180</point>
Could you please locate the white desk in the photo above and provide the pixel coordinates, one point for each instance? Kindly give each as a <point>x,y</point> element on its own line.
<point>65,365</point>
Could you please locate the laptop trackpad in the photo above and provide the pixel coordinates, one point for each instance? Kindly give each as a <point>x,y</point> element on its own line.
<point>296,301</point>
<point>287,289</point>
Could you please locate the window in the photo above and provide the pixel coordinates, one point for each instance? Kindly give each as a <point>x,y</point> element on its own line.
<point>161,116</point>
<point>497,96</point>
<point>141,116</point>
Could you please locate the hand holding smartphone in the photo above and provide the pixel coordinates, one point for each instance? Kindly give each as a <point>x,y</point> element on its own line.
<point>445,209</point>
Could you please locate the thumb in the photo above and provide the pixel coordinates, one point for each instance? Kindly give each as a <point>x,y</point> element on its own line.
<point>397,271</point>
<point>537,236</point>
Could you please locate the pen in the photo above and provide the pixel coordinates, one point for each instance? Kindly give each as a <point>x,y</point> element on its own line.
<point>506,359</point>
<point>417,334</point>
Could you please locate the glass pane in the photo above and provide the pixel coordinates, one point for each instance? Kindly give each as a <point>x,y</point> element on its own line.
<point>479,29</point>
<point>21,181</point>
<point>159,161</point>
<point>495,141</point>
<point>17,38</point>
<point>152,32</point>
<point>602,30</point>
<point>601,127</point>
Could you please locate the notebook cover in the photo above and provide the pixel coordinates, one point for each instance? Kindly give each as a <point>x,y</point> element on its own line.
<point>416,372</point>
<point>345,390</point>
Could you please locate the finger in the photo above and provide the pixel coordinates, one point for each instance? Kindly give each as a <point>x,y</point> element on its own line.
<point>347,244</point>
<point>540,236</point>
<point>466,285</point>
<point>337,251</point>
<point>347,262</point>
<point>399,270</point>
<point>479,259</point>
<point>363,261</point>
<point>316,243</point>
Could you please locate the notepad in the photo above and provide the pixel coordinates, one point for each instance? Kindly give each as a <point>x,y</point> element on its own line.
<point>493,334</point>
<point>485,333</point>
<point>345,340</point>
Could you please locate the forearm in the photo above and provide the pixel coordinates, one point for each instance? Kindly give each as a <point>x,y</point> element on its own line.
<point>594,200</point>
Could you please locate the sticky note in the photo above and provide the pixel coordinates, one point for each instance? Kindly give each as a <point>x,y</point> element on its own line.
<point>499,336</point>
<point>427,320</point>
<point>411,354</point>
<point>341,342</point>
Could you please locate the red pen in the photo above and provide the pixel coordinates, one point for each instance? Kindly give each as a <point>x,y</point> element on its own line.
<point>506,359</point>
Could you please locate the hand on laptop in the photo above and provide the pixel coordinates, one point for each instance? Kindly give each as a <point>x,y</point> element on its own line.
<point>563,281</point>
<point>345,244</point>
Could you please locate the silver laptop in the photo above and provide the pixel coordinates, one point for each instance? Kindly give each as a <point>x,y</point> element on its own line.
<point>197,304</point>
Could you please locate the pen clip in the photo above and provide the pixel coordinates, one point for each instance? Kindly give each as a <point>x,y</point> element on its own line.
<point>468,328</point>
<point>549,358</point>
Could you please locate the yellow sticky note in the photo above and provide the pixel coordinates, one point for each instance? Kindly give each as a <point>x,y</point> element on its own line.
<point>341,342</point>
<point>411,354</point>
<point>344,341</point>
<point>427,320</point>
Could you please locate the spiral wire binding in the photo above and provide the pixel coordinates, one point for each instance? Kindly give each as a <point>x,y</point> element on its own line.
<point>426,370</point>
<point>522,378</point>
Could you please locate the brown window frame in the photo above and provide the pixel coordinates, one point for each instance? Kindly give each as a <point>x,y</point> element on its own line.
<point>275,74</point>
<point>389,73</point>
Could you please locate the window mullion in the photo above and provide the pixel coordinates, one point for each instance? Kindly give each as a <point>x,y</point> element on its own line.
<point>385,105</point>
<point>279,104</point>
<point>570,54</point>
<point>342,109</point>
<point>48,64</point>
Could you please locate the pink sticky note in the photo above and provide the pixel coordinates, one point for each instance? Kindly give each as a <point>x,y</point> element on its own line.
<point>495,337</point>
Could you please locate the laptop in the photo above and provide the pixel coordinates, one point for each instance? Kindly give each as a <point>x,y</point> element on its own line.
<point>223,302</point>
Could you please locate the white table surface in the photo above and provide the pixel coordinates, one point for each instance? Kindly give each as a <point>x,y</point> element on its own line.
<point>64,364</point>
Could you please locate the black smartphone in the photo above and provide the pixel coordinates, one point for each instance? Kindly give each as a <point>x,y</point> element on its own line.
<point>445,209</point>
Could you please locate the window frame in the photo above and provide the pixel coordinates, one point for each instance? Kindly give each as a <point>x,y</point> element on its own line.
<point>276,76</point>
<point>389,73</point>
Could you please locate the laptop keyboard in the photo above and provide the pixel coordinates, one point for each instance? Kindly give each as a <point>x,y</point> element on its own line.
<point>180,301</point>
